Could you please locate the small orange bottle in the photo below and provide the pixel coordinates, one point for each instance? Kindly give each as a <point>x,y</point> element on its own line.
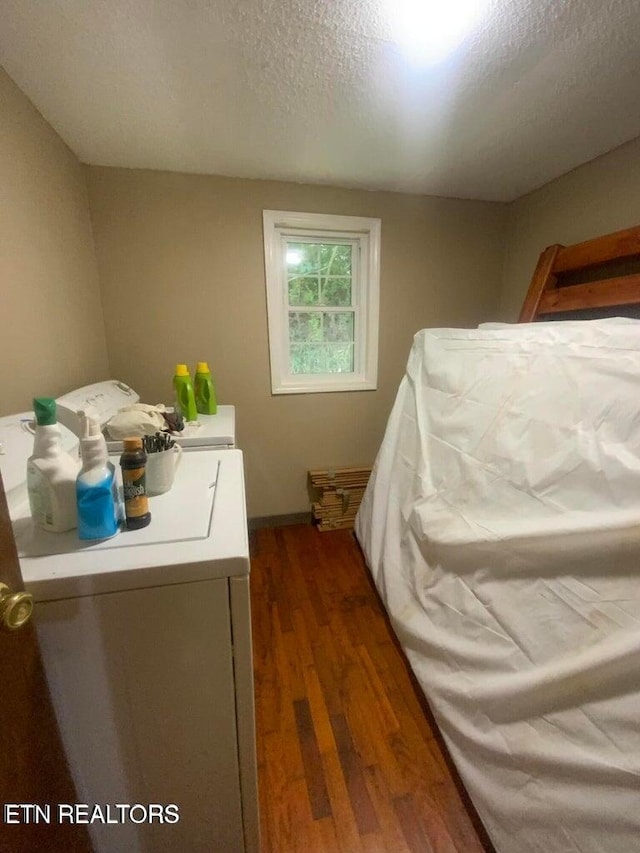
<point>133,463</point>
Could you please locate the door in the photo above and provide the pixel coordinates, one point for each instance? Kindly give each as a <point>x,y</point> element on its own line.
<point>33,766</point>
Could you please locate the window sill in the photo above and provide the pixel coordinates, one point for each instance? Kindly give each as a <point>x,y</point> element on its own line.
<point>323,386</point>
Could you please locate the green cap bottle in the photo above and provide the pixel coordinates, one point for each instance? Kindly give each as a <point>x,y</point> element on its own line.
<point>45,411</point>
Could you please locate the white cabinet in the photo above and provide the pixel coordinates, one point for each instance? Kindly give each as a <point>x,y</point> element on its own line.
<point>144,685</point>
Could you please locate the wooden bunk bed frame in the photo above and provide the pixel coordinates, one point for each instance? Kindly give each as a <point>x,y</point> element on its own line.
<point>600,273</point>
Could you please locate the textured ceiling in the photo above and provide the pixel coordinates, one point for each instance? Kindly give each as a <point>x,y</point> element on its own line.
<point>322,92</point>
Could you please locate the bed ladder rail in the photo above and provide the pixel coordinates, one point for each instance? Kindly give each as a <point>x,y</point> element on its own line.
<point>555,286</point>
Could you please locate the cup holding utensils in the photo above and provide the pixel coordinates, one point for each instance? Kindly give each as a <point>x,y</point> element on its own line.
<point>163,458</point>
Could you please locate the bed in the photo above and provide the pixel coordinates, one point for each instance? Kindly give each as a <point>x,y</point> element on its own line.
<point>501,526</point>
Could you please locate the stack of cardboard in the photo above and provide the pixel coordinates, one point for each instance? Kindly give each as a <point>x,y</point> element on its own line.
<point>340,492</point>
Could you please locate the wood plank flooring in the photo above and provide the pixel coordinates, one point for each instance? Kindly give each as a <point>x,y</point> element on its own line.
<point>348,759</point>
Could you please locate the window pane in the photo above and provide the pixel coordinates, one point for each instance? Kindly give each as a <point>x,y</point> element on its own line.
<point>319,273</point>
<point>310,326</point>
<point>321,341</point>
<point>302,258</point>
<point>321,358</point>
<point>335,258</point>
<point>338,327</point>
<point>304,291</point>
<point>305,327</point>
<point>336,292</point>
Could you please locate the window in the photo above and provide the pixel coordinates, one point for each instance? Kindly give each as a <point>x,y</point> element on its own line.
<point>322,275</point>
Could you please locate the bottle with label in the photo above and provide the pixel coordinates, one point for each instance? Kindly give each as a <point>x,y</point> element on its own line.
<point>96,490</point>
<point>136,504</point>
<point>185,397</point>
<point>205,390</point>
<point>51,473</point>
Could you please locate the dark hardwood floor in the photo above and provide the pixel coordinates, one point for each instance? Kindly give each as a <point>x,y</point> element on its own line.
<point>347,757</point>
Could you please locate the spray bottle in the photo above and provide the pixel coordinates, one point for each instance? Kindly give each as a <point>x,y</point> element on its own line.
<point>51,473</point>
<point>96,489</point>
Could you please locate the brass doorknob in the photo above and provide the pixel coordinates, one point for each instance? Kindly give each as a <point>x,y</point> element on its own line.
<point>15,608</point>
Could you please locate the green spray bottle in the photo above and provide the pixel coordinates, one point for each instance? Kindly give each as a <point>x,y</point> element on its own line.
<point>205,390</point>
<point>185,398</point>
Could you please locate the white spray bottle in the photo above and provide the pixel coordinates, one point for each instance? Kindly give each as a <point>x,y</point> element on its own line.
<point>51,473</point>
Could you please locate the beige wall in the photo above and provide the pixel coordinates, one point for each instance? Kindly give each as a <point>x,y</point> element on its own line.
<point>597,198</point>
<point>51,327</point>
<point>182,273</point>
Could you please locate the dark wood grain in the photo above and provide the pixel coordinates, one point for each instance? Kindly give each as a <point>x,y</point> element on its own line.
<point>353,773</point>
<point>316,787</point>
<point>406,810</point>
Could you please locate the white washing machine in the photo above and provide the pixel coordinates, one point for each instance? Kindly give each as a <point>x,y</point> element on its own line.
<point>146,640</point>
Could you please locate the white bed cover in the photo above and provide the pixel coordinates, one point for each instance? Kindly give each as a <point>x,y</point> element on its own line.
<point>502,528</point>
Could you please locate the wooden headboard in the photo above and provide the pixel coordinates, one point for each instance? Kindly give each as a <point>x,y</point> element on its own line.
<point>600,273</point>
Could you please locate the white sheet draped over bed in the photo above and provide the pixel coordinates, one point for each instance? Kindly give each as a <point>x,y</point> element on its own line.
<point>502,528</point>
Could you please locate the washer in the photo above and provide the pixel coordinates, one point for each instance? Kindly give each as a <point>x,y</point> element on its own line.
<point>146,640</point>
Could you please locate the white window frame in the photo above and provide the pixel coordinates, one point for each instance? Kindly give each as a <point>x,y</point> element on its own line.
<point>364,234</point>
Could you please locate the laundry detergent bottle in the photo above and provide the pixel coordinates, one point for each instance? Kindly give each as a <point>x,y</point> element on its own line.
<point>185,397</point>
<point>96,488</point>
<point>51,473</point>
<point>205,390</point>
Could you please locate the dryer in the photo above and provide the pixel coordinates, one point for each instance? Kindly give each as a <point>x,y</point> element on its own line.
<point>146,641</point>
<point>108,397</point>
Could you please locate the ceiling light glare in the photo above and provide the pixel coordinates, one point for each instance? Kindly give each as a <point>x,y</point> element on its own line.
<point>430,30</point>
<point>294,257</point>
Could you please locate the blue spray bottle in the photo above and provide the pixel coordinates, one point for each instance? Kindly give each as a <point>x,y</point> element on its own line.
<point>96,488</point>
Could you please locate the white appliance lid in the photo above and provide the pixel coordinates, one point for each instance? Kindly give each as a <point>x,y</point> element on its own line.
<point>182,514</point>
<point>210,430</point>
<point>107,398</point>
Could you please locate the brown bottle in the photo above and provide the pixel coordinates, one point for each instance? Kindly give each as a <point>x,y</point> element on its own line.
<point>136,505</point>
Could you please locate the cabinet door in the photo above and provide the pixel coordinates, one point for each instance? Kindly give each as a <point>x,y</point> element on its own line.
<point>33,765</point>
<point>142,682</point>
